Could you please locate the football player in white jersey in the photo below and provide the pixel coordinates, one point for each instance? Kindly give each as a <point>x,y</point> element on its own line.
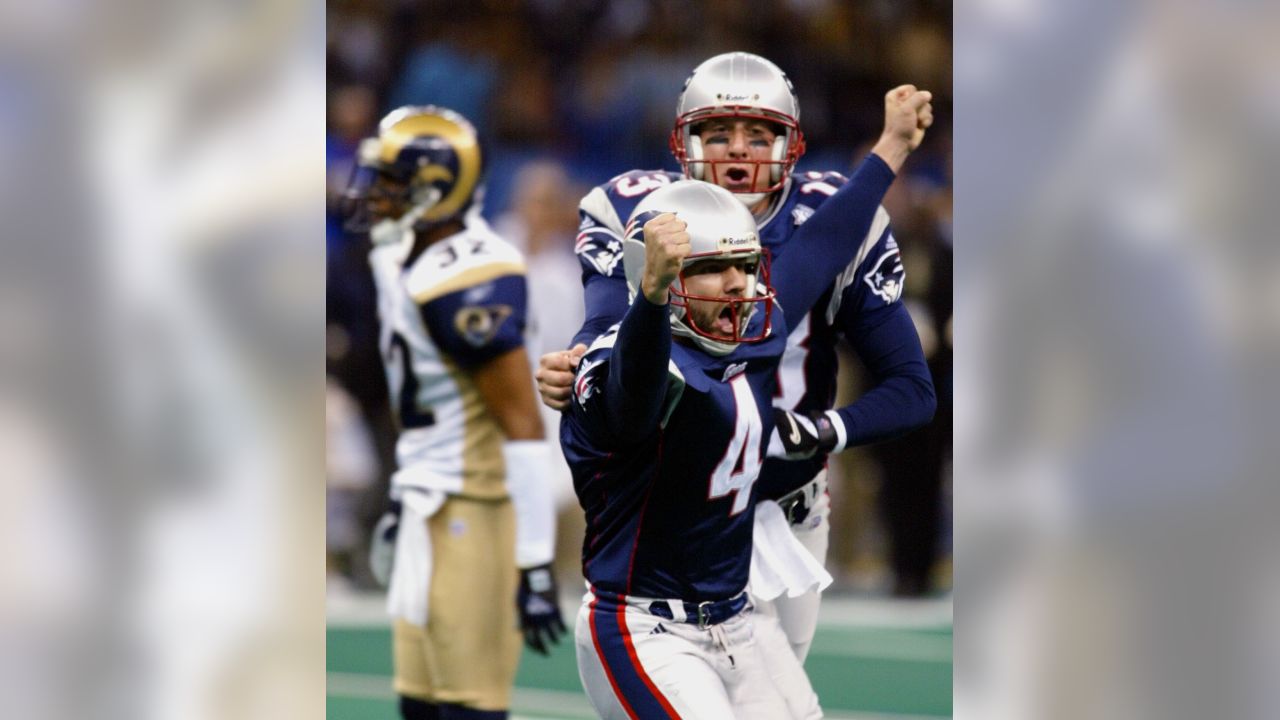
<point>737,126</point>
<point>471,484</point>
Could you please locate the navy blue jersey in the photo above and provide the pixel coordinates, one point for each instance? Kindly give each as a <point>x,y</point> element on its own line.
<point>864,304</point>
<point>666,442</point>
<point>668,489</point>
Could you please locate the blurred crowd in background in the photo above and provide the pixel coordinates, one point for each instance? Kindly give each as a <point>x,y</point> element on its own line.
<point>568,93</point>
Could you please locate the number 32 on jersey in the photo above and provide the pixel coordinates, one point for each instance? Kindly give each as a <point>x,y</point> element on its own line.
<point>740,466</point>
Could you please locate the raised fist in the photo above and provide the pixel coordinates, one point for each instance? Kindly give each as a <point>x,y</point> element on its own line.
<point>666,245</point>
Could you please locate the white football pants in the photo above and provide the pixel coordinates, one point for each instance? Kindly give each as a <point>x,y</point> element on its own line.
<point>634,664</point>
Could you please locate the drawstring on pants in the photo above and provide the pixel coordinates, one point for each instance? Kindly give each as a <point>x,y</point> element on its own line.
<point>718,634</point>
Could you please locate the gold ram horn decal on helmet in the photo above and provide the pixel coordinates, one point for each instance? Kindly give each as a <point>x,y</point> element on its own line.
<point>431,173</point>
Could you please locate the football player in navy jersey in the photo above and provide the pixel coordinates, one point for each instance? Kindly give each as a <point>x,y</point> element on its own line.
<point>670,418</point>
<point>738,127</point>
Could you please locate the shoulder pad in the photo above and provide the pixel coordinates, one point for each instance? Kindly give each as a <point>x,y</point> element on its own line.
<point>812,188</point>
<point>611,203</point>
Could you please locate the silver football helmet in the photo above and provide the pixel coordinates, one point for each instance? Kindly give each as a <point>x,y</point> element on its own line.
<point>720,227</point>
<point>738,85</point>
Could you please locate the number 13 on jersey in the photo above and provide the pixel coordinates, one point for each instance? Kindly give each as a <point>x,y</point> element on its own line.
<point>740,466</point>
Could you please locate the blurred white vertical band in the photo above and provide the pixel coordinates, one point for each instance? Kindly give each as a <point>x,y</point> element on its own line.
<point>1116,409</point>
<point>161,383</point>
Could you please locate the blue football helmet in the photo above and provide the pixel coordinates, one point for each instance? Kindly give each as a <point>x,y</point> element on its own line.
<point>422,169</point>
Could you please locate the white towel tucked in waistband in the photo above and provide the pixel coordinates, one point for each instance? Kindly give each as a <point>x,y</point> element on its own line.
<point>411,575</point>
<point>779,563</point>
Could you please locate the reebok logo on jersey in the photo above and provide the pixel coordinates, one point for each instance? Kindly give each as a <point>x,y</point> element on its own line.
<point>733,371</point>
<point>800,213</point>
<point>478,294</point>
<point>658,629</point>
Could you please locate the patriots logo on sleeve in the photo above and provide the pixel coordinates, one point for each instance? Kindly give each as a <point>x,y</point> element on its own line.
<point>478,324</point>
<point>583,388</point>
<point>598,246</point>
<point>603,251</point>
<point>886,277</point>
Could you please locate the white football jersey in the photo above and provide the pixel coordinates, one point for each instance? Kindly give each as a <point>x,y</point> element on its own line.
<point>458,304</point>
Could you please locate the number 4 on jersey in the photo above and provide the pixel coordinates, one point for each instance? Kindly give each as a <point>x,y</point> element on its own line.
<point>740,466</point>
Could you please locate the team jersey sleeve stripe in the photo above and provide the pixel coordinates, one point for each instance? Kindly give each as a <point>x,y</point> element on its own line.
<point>468,278</point>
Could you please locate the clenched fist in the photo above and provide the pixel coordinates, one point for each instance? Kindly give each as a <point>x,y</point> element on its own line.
<point>555,375</point>
<point>908,112</point>
<point>666,245</point>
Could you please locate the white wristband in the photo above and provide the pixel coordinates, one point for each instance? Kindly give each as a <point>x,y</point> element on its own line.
<point>528,464</point>
<point>842,436</point>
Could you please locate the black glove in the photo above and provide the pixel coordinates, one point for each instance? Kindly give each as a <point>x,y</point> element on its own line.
<point>796,437</point>
<point>382,546</point>
<point>539,608</point>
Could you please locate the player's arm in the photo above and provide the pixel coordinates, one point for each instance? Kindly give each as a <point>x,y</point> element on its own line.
<point>506,389</point>
<point>487,341</point>
<point>604,292</point>
<point>605,300</point>
<point>830,239</point>
<point>603,295</point>
<point>598,248</point>
<point>903,397</point>
<point>504,386</point>
<point>867,309</point>
<point>636,388</point>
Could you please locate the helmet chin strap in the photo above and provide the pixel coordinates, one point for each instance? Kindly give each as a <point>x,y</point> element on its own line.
<point>750,199</point>
<point>718,348</point>
<point>391,231</point>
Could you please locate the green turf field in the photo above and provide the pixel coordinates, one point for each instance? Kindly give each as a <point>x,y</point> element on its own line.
<point>873,669</point>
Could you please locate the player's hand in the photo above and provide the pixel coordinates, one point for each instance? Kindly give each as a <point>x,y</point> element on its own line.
<point>666,245</point>
<point>382,546</point>
<point>796,437</point>
<point>539,607</point>
<point>555,375</point>
<point>908,113</point>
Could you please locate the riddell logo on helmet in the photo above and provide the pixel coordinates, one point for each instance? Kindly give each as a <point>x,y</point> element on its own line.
<point>732,242</point>
<point>734,97</point>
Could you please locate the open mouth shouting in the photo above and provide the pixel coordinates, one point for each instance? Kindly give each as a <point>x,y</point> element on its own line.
<point>737,179</point>
<point>724,322</point>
